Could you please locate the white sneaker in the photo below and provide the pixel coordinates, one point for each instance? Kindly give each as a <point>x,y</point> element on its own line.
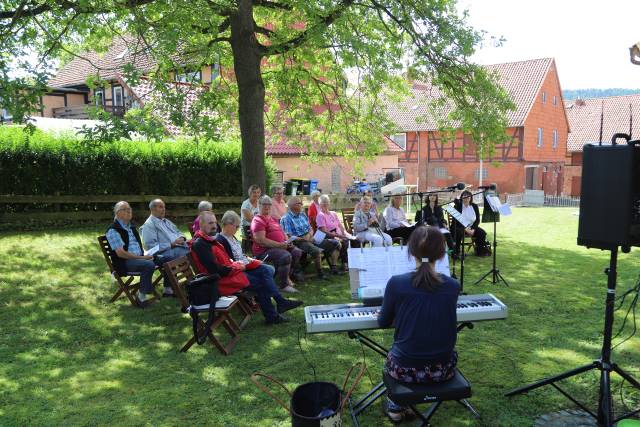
<point>142,297</point>
<point>289,289</point>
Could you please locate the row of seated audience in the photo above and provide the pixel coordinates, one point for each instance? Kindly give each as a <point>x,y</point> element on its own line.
<point>213,252</point>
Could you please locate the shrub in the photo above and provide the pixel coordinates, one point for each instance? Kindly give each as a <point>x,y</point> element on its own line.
<point>46,164</point>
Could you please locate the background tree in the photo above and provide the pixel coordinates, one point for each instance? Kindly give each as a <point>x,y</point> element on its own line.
<point>317,72</point>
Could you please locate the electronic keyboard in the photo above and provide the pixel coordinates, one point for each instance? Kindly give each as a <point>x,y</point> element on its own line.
<point>357,317</point>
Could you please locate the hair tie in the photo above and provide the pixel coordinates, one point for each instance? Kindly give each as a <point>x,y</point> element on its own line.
<point>425,259</point>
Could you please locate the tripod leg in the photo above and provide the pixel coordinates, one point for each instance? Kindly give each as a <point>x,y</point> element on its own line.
<point>546,381</point>
<point>624,374</point>
<point>605,407</point>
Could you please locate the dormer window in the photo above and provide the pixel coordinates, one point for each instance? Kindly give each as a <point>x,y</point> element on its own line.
<point>189,77</point>
<point>400,139</point>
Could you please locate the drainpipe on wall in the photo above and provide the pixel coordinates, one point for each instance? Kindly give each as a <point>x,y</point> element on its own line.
<point>418,177</point>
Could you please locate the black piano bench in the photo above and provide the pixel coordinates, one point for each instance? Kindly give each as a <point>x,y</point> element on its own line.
<point>412,394</point>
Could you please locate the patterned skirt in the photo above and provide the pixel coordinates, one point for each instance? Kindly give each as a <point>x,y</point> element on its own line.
<point>430,373</point>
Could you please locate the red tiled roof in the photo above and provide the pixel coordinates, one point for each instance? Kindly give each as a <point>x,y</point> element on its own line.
<point>108,65</point>
<point>522,80</point>
<point>584,119</point>
<point>145,93</point>
<point>279,146</point>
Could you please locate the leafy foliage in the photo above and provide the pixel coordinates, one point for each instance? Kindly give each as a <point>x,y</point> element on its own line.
<point>43,164</point>
<point>323,69</point>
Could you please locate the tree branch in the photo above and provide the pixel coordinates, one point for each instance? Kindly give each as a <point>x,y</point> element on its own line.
<point>272,5</point>
<point>68,5</point>
<point>301,38</point>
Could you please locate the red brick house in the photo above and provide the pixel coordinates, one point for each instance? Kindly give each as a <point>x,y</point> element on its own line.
<point>533,159</point>
<point>585,119</point>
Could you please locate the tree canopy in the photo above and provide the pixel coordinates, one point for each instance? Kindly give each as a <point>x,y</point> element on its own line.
<point>316,73</point>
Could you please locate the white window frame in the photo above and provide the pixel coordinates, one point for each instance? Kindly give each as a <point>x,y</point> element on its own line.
<point>402,144</point>
<point>539,137</point>
<point>544,97</point>
<point>555,100</point>
<point>98,93</point>
<point>189,77</point>
<point>114,101</point>
<point>215,72</point>
<point>440,172</point>
<point>485,173</point>
<point>555,139</point>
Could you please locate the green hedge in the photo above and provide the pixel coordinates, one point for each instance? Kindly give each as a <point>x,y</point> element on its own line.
<point>45,164</point>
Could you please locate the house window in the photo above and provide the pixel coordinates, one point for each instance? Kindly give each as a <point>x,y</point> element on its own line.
<point>555,139</point>
<point>544,97</point>
<point>98,96</point>
<point>189,77</point>
<point>555,100</point>
<point>485,173</point>
<point>401,140</point>
<point>539,137</point>
<point>118,98</point>
<point>4,115</point>
<point>215,72</point>
<point>440,172</point>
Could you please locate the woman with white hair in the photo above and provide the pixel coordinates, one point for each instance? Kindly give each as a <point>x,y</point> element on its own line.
<point>202,207</point>
<point>366,226</point>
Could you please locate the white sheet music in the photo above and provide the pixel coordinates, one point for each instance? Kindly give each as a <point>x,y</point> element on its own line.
<point>457,215</point>
<point>374,266</point>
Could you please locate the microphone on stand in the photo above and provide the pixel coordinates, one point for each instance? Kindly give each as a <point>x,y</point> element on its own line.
<point>458,186</point>
<point>491,187</point>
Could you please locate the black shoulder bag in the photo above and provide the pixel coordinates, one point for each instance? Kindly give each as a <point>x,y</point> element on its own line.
<point>203,290</point>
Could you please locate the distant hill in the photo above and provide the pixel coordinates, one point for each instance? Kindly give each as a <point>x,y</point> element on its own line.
<point>570,94</point>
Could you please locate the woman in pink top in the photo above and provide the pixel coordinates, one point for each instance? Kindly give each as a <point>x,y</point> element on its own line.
<point>327,221</point>
<point>278,206</point>
<point>270,244</point>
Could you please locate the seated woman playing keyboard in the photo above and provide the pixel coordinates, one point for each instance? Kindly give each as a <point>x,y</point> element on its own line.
<point>422,306</point>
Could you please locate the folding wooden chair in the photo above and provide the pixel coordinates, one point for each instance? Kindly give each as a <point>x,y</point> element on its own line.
<point>127,284</point>
<point>347,220</point>
<point>179,272</point>
<point>244,300</point>
<point>469,242</point>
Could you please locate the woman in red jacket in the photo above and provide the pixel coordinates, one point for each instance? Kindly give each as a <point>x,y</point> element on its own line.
<point>210,257</point>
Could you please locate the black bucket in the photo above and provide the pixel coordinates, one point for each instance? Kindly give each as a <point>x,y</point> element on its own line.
<point>316,404</point>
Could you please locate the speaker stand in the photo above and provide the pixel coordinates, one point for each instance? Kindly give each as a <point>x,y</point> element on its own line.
<point>605,415</point>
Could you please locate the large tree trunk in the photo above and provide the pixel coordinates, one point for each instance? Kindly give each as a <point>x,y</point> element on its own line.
<point>246,64</point>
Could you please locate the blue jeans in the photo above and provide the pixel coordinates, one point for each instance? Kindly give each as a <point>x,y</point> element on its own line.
<point>145,267</point>
<point>262,283</point>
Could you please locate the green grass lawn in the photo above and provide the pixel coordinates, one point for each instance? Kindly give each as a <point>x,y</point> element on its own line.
<point>69,357</point>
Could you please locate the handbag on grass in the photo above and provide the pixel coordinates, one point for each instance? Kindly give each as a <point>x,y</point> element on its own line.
<point>202,290</point>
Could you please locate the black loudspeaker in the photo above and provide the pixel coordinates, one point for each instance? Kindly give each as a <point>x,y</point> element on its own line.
<point>610,196</point>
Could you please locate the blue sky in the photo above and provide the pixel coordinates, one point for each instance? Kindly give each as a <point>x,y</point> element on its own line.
<point>589,40</point>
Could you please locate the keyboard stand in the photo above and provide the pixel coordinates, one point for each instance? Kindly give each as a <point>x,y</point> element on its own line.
<point>375,393</point>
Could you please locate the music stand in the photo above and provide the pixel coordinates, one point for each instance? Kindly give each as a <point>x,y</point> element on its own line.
<point>491,214</point>
<point>457,216</point>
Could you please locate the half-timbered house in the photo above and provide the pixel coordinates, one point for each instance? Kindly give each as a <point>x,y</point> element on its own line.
<point>533,158</point>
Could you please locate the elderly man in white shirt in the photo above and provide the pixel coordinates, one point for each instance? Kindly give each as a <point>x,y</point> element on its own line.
<point>395,219</point>
<point>159,231</point>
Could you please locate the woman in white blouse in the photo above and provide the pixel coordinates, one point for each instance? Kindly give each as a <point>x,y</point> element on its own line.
<point>471,213</point>
<point>395,219</point>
